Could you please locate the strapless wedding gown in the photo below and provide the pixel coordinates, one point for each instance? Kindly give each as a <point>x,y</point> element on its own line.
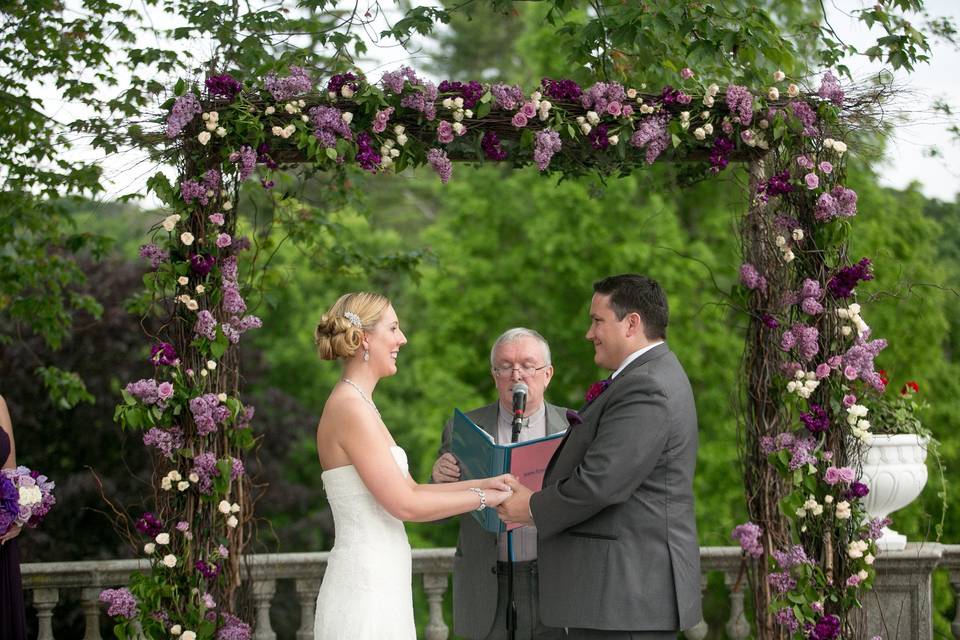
<point>366,590</point>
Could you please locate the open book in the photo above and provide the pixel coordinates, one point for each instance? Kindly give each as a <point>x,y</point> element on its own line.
<point>481,457</point>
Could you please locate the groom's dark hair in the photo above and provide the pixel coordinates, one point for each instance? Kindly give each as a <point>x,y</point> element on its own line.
<point>634,293</point>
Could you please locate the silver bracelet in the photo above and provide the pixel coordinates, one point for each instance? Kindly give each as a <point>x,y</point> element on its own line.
<point>483,498</point>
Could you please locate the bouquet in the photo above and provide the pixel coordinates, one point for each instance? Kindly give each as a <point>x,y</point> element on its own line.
<point>25,498</point>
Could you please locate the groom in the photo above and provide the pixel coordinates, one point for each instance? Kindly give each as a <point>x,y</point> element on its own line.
<point>617,537</point>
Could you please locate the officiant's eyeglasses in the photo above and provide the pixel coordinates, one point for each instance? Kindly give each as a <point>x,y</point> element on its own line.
<point>526,370</point>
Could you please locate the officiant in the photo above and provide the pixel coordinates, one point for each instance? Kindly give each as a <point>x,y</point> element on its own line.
<point>481,565</point>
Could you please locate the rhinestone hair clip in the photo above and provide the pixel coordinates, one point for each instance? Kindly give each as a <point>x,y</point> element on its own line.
<point>353,318</point>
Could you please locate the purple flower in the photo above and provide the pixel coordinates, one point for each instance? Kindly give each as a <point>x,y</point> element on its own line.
<point>652,134</point>
<point>811,180</point>
<point>573,418</point>
<point>233,629</point>
<point>393,81</point>
<point>859,358</point>
<point>519,120</point>
<point>164,391</point>
<point>561,89</point>
<point>205,466</point>
<point>223,240</point>
<point>792,557</point>
<point>601,94</point>
<point>802,338</point>
<point>769,321</point>
<point>154,254</point>
<point>740,102</point>
<point>247,158</point>
<point>471,92</point>
<point>807,117</point>
<point>381,119</point>
<point>337,82</point>
<point>749,536</point>
<point>223,85</point>
<point>804,162</point>
<point>816,420</point>
<point>547,144</point>
<point>686,73</point>
<point>9,503</point>
<point>423,99</point>
<point>441,164</point>
<point>183,111</point>
<point>164,354</point>
<point>827,628</point>
<point>490,143</point>
<point>875,527</point>
<point>201,265</point>
<point>781,582</point>
<point>857,490</point>
<point>297,83</point>
<point>822,371</point>
<point>328,124</point>
<point>166,440</point>
<point>830,89</point>
<point>598,137</point>
<point>786,619</point>
<point>720,154</point>
<point>751,278</point>
<point>367,157</point>
<point>148,525</point>
<point>208,570</point>
<point>122,603</point>
<point>444,132</point>
<point>825,167</point>
<point>835,475</point>
<point>853,580</point>
<point>506,97</point>
<point>596,389</point>
<point>216,219</point>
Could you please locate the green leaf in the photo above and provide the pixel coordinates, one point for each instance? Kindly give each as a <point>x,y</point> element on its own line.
<point>331,153</point>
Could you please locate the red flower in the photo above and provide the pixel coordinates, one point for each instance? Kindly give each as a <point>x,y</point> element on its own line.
<point>596,389</point>
<point>912,386</point>
<point>883,377</point>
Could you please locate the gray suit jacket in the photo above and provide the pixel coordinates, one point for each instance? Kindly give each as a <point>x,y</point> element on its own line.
<point>618,545</point>
<point>475,562</point>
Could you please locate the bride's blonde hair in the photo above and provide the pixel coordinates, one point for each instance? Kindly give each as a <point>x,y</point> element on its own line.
<point>337,334</point>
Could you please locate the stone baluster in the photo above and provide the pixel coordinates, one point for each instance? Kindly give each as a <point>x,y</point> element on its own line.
<point>738,627</point>
<point>699,631</point>
<point>44,600</point>
<point>263,591</point>
<point>435,585</point>
<point>90,602</point>
<point>307,589</point>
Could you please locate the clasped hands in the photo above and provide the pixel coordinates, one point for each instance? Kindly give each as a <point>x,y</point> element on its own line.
<point>511,499</point>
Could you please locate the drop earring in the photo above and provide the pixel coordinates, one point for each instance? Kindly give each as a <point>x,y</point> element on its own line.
<point>366,355</point>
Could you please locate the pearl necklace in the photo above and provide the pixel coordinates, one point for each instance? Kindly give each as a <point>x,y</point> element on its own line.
<point>362,394</point>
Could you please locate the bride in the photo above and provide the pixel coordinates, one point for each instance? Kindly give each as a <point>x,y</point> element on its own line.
<point>366,590</point>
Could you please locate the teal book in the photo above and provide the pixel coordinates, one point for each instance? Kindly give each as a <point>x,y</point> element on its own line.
<point>481,457</point>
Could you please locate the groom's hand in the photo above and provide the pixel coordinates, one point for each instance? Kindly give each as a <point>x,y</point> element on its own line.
<point>517,508</point>
<point>446,469</point>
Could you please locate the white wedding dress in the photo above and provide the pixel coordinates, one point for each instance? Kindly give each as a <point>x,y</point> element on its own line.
<point>366,590</point>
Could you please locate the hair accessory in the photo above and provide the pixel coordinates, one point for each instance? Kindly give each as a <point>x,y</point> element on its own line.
<point>353,318</point>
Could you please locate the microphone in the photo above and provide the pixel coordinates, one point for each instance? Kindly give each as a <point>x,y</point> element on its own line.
<point>520,391</point>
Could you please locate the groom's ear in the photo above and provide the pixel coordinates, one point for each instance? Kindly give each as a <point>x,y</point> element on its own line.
<point>634,325</point>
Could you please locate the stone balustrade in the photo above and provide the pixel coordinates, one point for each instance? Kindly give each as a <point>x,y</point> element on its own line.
<point>903,585</point>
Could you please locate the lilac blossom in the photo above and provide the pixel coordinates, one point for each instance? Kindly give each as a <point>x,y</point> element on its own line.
<point>875,527</point>
<point>393,80</point>
<point>441,164</point>
<point>547,144</point>
<point>836,475</point>
<point>367,157</point>
<point>154,254</point>
<point>166,440</point>
<point>807,117</point>
<point>422,100</point>
<point>802,338</point>
<point>490,143</point>
<point>793,556</point>
<point>122,603</point>
<point>751,278</point>
<point>748,534</point>
<point>507,97</point>
<point>720,154</point>
<point>247,159</point>
<point>297,83</point>
<point>183,111</point>
<point>860,359</point>
<point>328,124</point>
<point>845,281</point>
<point>223,85</point>
<point>598,137</point>
<point>238,325</point>
<point>601,95</point>
<point>205,466</point>
<point>782,582</point>
<point>652,134</point>
<point>561,89</point>
<point>208,413</point>
<point>164,354</point>
<point>740,102</point>
<point>827,628</point>
<point>233,629</point>
<point>471,92</point>
<point>810,295</point>
<point>830,89</point>
<point>816,420</point>
<point>786,619</point>
<point>206,325</point>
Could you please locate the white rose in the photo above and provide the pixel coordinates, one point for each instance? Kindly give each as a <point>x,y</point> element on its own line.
<point>593,118</point>
<point>386,162</point>
<point>211,364</point>
<point>394,153</point>
<point>235,508</point>
<point>277,130</point>
<point>458,115</point>
<point>347,117</point>
<point>458,128</point>
<point>708,101</point>
<point>194,478</point>
<point>780,241</point>
<point>301,103</point>
<point>764,124</point>
<point>170,222</point>
<point>175,475</point>
<point>227,205</point>
<point>862,574</point>
<point>200,288</point>
<point>699,133</point>
<point>290,108</point>
<point>203,373</point>
<point>468,113</point>
<point>631,93</point>
<point>801,512</point>
<point>840,147</point>
<point>305,118</point>
<point>183,485</point>
<point>447,103</point>
<point>346,91</point>
<point>788,255</point>
<point>214,116</point>
<point>843,510</point>
<point>773,93</point>
<point>211,126</point>
<point>162,538</point>
<point>708,128</point>
<point>188,635</point>
<point>270,110</point>
<point>793,90</point>
<point>170,561</point>
<point>204,137</point>
<point>684,116</point>
<point>791,386</point>
<point>614,140</point>
<point>828,143</point>
<point>828,499</point>
<point>713,89</point>
<point>222,397</point>
<point>204,116</point>
<point>854,308</point>
<point>232,522</point>
<point>183,281</point>
<point>399,129</point>
<point>176,630</point>
<point>779,76</point>
<point>192,305</point>
<point>186,238</point>
<point>165,484</point>
<point>585,128</point>
<point>869,558</point>
<point>149,547</point>
<point>223,507</point>
<point>401,139</point>
<point>846,330</point>
<point>797,234</point>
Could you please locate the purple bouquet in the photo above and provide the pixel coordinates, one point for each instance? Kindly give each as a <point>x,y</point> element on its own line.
<point>25,498</point>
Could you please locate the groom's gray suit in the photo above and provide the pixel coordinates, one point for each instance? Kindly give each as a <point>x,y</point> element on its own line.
<point>617,535</point>
<point>475,584</point>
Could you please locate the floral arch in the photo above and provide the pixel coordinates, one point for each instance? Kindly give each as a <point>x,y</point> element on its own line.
<point>808,358</point>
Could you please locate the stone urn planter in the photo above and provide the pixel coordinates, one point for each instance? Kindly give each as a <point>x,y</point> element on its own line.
<point>895,470</point>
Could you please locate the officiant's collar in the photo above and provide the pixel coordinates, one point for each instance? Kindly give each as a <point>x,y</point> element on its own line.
<point>633,356</point>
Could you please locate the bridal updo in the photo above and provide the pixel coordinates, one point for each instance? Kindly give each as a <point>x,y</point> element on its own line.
<point>339,337</point>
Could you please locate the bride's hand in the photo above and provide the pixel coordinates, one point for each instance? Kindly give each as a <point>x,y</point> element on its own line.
<point>498,483</point>
<point>495,497</point>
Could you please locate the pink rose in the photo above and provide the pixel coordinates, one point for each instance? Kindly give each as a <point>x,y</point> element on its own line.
<point>834,361</point>
<point>528,109</point>
<point>804,162</point>
<point>626,111</point>
<point>164,390</point>
<point>811,180</point>
<point>686,73</point>
<point>826,167</point>
<point>823,370</point>
<point>216,218</point>
<point>224,240</point>
<point>614,108</point>
<point>850,373</point>
<point>519,120</point>
<point>444,132</point>
<point>849,400</point>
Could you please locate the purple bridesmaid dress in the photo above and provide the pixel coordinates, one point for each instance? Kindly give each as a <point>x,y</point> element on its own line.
<point>12,617</point>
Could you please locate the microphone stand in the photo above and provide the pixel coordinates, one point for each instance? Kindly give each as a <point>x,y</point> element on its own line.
<point>518,422</point>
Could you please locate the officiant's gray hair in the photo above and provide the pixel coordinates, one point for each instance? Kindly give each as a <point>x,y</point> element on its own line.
<point>516,333</point>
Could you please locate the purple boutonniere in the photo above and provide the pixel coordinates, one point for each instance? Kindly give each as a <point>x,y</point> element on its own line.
<point>573,418</point>
<point>596,389</point>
